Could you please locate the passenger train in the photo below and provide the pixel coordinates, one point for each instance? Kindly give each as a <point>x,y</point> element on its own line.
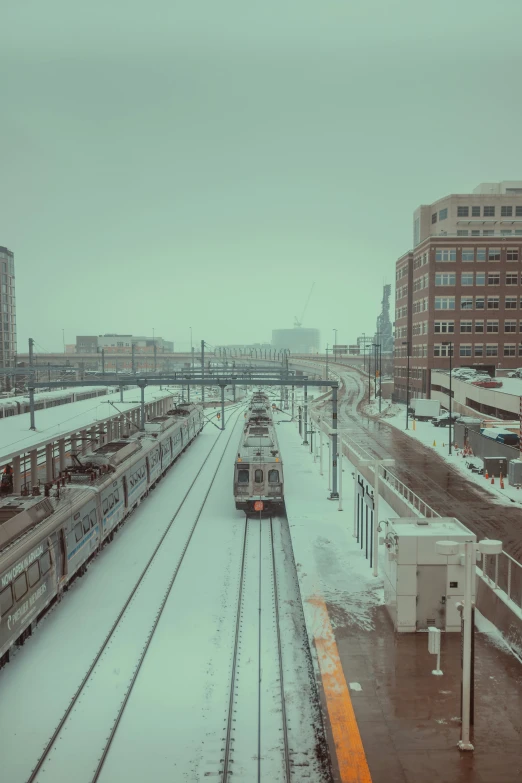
<point>13,406</point>
<point>46,541</point>
<point>258,471</point>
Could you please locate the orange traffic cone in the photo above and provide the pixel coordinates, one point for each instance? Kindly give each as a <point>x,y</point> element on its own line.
<point>501,482</point>
<point>492,479</point>
<point>486,476</point>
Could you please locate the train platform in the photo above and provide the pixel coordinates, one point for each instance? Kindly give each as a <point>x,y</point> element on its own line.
<point>388,719</point>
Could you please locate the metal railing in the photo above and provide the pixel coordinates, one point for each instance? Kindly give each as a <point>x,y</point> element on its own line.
<point>504,573</point>
<point>418,504</point>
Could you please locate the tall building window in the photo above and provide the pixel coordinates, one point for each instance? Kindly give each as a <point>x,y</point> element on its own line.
<point>443,214</point>
<point>446,254</point>
<point>493,302</point>
<point>466,303</point>
<point>465,350</point>
<point>480,278</point>
<point>512,278</point>
<point>489,211</point>
<point>492,327</point>
<point>492,349</point>
<point>462,211</point>
<point>466,326</point>
<point>475,211</point>
<point>510,349</point>
<point>493,278</point>
<point>479,327</point>
<point>488,233</point>
<point>462,233</point>
<point>481,254</point>
<point>510,326</point>
<point>475,233</point>
<point>434,217</point>
<point>468,254</point>
<point>444,303</point>
<point>445,278</point>
<point>441,349</point>
<point>511,302</point>
<point>494,254</point>
<point>466,278</point>
<point>506,232</point>
<point>518,211</point>
<point>506,211</point>
<point>444,327</point>
<point>512,254</point>
<point>479,350</point>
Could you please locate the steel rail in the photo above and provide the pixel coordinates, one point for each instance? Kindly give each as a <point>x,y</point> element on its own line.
<point>280,657</point>
<point>226,761</point>
<point>157,619</point>
<point>118,619</point>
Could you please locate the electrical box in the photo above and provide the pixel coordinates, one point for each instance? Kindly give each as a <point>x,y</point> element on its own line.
<point>495,466</point>
<point>515,472</point>
<point>421,587</point>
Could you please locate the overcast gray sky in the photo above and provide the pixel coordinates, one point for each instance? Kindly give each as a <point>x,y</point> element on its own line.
<point>167,164</point>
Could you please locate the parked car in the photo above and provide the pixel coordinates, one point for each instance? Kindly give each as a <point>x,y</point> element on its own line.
<point>445,419</point>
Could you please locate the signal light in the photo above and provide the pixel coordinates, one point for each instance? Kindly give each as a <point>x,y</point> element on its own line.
<point>259,505</point>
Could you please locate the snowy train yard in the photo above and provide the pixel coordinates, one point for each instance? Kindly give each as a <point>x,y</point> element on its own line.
<point>183,648</point>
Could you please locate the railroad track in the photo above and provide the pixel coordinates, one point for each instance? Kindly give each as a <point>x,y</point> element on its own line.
<point>256,740</point>
<point>81,742</point>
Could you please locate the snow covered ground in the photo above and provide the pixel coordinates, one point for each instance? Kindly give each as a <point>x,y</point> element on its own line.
<point>173,723</point>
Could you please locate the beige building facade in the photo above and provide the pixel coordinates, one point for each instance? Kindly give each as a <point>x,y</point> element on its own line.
<point>493,209</point>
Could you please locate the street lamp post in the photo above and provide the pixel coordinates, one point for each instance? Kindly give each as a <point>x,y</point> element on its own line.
<point>450,394</point>
<point>468,552</point>
<point>407,343</point>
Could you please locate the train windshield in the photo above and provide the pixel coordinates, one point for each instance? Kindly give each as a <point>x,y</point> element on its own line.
<point>242,476</point>
<point>258,476</point>
<point>273,477</point>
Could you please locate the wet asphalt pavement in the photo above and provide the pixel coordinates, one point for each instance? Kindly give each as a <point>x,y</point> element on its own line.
<point>448,492</point>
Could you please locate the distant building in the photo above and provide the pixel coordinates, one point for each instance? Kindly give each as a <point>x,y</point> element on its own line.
<point>296,340</point>
<point>7,309</point>
<point>122,343</point>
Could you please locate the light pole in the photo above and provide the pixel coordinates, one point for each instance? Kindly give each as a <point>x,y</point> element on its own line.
<point>335,343</point>
<point>468,553</point>
<point>450,349</point>
<point>407,343</point>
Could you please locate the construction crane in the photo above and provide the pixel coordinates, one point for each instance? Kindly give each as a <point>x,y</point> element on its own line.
<point>299,322</point>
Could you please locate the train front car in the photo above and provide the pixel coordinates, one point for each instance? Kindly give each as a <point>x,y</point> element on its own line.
<point>258,472</point>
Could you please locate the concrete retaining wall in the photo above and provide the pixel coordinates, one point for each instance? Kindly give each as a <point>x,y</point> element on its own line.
<point>502,612</point>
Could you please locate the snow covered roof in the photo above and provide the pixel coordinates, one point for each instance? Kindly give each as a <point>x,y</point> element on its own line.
<point>62,420</point>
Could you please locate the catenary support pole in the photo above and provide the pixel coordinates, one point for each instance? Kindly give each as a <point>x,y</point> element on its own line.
<point>31,407</point>
<point>142,385</point>
<point>355,503</point>
<point>376,519</point>
<point>320,449</point>
<point>222,406</point>
<point>305,441</point>
<point>293,402</point>
<point>340,461</point>
<point>334,493</point>
<point>203,371</point>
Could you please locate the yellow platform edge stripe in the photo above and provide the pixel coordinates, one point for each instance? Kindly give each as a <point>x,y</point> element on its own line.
<point>351,758</point>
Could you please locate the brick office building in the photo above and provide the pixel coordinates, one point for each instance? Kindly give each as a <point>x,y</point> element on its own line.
<point>465,291</point>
